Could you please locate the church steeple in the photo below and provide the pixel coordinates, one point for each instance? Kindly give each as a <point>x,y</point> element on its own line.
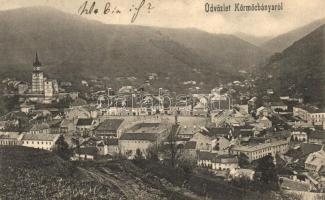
<point>37,63</point>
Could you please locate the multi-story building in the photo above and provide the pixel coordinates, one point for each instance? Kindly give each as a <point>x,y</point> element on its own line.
<point>310,114</point>
<point>315,161</point>
<point>217,162</point>
<point>40,128</point>
<point>129,143</point>
<point>110,128</point>
<point>254,152</point>
<point>40,141</point>
<point>85,125</point>
<point>48,89</point>
<point>142,136</point>
<point>43,89</point>
<point>10,139</point>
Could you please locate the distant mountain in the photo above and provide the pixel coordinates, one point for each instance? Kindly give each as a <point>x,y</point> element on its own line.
<point>255,40</point>
<point>283,41</point>
<point>300,69</point>
<point>72,47</point>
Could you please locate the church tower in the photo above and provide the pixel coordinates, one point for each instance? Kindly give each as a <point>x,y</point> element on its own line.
<point>37,77</point>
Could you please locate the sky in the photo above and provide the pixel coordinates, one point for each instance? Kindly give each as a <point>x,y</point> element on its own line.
<point>191,14</point>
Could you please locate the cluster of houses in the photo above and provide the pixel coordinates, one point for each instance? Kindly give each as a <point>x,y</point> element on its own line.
<point>215,143</point>
<point>214,130</point>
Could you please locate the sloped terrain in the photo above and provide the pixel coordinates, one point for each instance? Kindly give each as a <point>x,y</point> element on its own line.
<point>300,69</point>
<point>72,47</point>
<point>283,41</point>
<point>27,173</point>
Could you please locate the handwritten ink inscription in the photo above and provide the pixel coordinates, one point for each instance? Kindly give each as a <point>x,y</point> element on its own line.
<point>90,8</point>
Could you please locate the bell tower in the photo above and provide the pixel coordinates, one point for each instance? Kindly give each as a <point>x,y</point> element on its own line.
<point>37,76</point>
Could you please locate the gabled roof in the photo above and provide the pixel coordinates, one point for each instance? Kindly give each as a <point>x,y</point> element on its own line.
<point>218,131</point>
<point>87,151</point>
<point>41,137</point>
<point>42,126</point>
<point>109,125</point>
<point>190,145</point>
<point>111,142</point>
<point>55,123</point>
<point>37,63</point>
<point>260,109</point>
<point>317,159</point>
<point>139,136</point>
<point>204,155</point>
<point>84,122</point>
<point>225,159</point>
<point>307,148</point>
<point>278,103</point>
<point>66,122</point>
<point>317,135</point>
<point>10,135</point>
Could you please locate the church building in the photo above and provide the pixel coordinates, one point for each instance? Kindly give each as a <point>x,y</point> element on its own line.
<point>43,90</point>
<point>37,77</point>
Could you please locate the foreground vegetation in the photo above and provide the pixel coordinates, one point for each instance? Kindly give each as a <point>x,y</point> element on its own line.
<point>27,173</point>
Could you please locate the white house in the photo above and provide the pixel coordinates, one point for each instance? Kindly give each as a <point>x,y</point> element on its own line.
<point>217,162</point>
<point>129,143</point>
<point>315,161</point>
<point>40,141</point>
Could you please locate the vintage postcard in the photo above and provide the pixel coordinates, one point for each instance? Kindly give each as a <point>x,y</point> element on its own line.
<point>162,99</point>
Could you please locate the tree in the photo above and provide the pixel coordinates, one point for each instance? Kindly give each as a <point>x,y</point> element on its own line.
<point>138,155</point>
<point>152,153</point>
<point>269,177</point>
<point>62,148</point>
<point>278,110</point>
<point>65,102</point>
<point>171,150</point>
<point>187,166</point>
<point>243,160</point>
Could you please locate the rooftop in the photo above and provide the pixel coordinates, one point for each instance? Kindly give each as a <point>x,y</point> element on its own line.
<point>225,159</point>
<point>84,122</point>
<point>190,145</point>
<point>205,155</point>
<point>216,131</point>
<point>109,125</point>
<point>307,148</point>
<point>311,109</point>
<point>257,147</point>
<point>9,135</point>
<point>139,136</point>
<point>87,150</point>
<point>317,158</point>
<point>40,137</point>
<point>41,126</point>
<point>111,142</point>
<point>147,128</point>
<point>278,103</point>
<point>317,135</point>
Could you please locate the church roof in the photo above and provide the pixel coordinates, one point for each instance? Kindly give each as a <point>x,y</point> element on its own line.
<point>37,63</point>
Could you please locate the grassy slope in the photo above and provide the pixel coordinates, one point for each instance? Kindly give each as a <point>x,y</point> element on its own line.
<point>30,173</point>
